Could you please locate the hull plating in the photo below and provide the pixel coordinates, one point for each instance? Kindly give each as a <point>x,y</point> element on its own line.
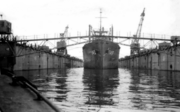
<point>101,54</point>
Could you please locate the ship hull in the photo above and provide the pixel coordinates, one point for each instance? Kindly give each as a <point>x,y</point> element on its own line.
<point>101,54</point>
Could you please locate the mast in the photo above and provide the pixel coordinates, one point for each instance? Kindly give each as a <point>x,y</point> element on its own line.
<point>100,30</point>
<point>100,19</point>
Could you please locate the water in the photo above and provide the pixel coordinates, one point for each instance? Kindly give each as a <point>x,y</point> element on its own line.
<point>121,90</point>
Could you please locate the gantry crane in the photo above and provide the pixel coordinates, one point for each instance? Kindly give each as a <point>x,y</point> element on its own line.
<point>135,46</point>
<point>62,35</point>
<point>61,45</point>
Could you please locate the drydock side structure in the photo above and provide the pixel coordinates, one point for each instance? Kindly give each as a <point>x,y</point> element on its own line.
<point>165,57</point>
<point>101,52</point>
<point>20,56</point>
<point>34,57</point>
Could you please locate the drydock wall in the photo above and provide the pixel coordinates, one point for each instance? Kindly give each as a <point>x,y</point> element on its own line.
<point>167,58</point>
<point>30,58</point>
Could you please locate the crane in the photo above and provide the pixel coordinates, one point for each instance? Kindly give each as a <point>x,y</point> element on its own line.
<point>135,46</point>
<point>61,45</point>
<point>65,33</point>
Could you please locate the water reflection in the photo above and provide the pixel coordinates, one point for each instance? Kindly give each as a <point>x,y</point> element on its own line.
<point>56,89</point>
<point>51,82</point>
<point>99,86</point>
<point>82,90</point>
<point>155,90</point>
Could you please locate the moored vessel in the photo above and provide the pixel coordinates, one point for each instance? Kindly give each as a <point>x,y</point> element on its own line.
<point>101,52</point>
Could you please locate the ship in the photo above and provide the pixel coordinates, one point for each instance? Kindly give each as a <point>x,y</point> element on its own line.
<point>101,52</point>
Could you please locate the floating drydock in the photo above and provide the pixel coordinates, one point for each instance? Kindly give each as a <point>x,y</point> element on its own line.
<point>20,56</point>
<point>35,58</point>
<point>165,57</point>
<point>17,56</point>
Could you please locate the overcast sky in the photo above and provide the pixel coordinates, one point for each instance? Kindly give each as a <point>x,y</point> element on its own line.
<point>38,17</point>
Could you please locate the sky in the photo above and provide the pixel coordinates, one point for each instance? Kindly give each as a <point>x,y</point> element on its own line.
<point>50,17</point>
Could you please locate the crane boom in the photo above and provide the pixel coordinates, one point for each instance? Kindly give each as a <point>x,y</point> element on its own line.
<point>138,33</point>
<point>66,31</point>
<point>61,45</point>
<point>135,46</point>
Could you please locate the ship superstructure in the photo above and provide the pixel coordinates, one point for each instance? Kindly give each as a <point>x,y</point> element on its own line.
<point>101,52</point>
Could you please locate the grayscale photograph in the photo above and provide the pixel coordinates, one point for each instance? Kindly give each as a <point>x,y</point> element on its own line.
<point>89,55</point>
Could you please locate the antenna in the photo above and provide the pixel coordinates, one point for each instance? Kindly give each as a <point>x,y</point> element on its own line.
<point>101,19</point>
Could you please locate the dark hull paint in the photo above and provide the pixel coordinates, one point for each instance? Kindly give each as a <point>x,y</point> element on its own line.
<point>101,54</point>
